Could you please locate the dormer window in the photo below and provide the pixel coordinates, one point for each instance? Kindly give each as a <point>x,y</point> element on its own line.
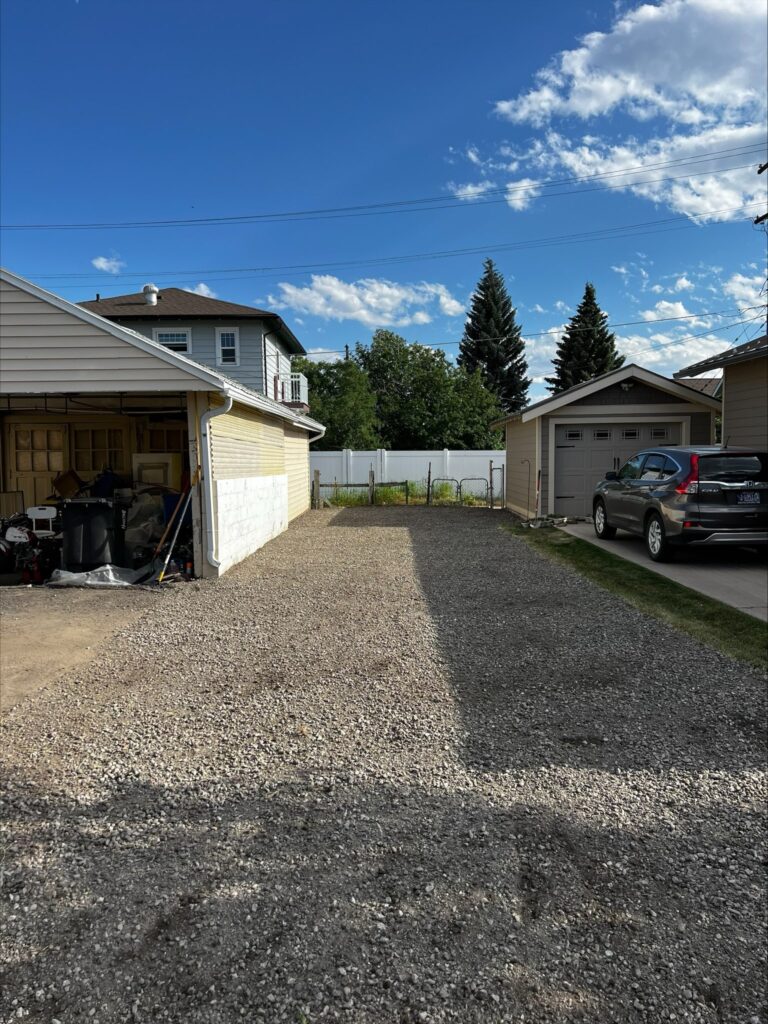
<point>178,339</point>
<point>227,346</point>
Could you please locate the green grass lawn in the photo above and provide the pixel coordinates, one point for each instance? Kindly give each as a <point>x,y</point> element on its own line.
<point>713,623</point>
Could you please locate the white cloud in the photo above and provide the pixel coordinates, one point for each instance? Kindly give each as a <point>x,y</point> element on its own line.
<point>202,289</point>
<point>374,302</point>
<point>322,355</point>
<point>470,191</point>
<point>622,270</point>
<point>745,291</point>
<point>521,193</point>
<point>682,284</point>
<point>687,60</point>
<point>665,352</point>
<point>692,67</point>
<point>109,264</point>
<point>562,307</point>
<point>538,308</point>
<point>665,309</point>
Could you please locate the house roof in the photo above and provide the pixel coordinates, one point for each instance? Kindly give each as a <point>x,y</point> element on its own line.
<point>210,379</point>
<point>176,303</point>
<point>589,387</point>
<point>740,354</point>
<point>707,385</point>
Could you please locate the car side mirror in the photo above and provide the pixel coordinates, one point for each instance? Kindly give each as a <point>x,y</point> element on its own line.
<point>611,475</point>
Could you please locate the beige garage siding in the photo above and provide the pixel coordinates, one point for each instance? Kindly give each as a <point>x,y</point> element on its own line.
<point>297,468</point>
<point>521,484</point>
<point>745,401</point>
<point>46,349</point>
<point>246,443</point>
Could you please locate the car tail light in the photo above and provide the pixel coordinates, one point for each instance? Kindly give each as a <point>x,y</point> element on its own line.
<point>690,485</point>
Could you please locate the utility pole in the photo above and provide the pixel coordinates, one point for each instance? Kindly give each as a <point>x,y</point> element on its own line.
<point>763,216</point>
<point>346,352</point>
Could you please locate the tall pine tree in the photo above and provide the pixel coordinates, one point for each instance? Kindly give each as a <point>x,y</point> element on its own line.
<point>587,349</point>
<point>493,343</point>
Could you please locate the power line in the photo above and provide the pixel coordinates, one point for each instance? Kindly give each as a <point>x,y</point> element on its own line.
<point>600,234</point>
<point>409,205</point>
<point>626,323</point>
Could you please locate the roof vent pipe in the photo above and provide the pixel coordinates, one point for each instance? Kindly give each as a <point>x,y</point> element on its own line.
<point>150,294</point>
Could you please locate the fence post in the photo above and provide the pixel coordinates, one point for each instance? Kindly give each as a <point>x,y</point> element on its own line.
<point>490,481</point>
<point>346,470</point>
<point>371,486</point>
<point>446,462</point>
<point>406,492</point>
<point>316,490</point>
<point>429,484</point>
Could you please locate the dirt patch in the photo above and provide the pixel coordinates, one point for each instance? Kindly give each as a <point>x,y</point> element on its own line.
<point>45,632</point>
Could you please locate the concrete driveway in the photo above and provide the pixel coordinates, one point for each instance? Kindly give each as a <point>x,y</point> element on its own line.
<point>736,577</point>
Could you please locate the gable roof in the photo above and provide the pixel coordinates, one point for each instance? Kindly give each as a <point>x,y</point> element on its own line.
<point>197,376</point>
<point>176,302</point>
<point>740,354</point>
<point>590,387</point>
<point>707,385</point>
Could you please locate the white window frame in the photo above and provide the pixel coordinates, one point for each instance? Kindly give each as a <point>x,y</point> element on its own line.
<point>156,331</point>
<point>227,330</point>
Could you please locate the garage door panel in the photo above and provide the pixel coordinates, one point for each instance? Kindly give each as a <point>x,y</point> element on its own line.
<point>581,464</point>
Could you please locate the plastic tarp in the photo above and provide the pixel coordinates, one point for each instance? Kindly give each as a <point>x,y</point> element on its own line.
<point>104,576</point>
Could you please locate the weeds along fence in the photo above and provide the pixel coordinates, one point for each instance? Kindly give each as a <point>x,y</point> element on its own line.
<point>439,491</point>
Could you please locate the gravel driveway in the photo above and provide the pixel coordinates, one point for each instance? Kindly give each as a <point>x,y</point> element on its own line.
<point>394,768</point>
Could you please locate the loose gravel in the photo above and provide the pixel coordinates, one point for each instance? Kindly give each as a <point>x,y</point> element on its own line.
<point>398,768</point>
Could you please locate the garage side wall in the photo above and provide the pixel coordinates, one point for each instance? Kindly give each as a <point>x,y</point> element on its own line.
<point>744,404</point>
<point>250,482</point>
<point>297,470</point>
<point>521,476</point>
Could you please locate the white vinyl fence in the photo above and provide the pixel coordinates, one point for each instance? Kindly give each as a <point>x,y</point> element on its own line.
<point>352,467</point>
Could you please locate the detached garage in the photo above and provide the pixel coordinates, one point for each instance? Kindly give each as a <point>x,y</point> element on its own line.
<point>559,448</point>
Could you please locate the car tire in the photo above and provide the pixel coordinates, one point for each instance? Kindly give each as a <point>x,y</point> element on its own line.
<point>656,543</point>
<point>603,529</point>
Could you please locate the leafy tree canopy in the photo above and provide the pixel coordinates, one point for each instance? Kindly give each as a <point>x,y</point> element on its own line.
<point>587,348</point>
<point>422,400</point>
<point>493,342</point>
<point>340,397</point>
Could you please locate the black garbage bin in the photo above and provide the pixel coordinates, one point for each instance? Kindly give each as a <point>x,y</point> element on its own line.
<point>93,533</point>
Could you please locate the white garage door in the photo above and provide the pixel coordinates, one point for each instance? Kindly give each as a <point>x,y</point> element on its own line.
<point>584,452</point>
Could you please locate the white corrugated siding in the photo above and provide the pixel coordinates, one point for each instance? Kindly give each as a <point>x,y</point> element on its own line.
<point>297,468</point>
<point>45,349</point>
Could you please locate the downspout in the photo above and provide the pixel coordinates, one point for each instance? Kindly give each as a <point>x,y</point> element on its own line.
<point>205,446</point>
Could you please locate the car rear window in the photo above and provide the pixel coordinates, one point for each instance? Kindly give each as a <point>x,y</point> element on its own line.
<point>733,467</point>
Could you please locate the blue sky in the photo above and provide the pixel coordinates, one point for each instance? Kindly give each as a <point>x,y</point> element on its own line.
<point>126,111</point>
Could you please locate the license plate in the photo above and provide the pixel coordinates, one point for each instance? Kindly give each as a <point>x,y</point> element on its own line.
<point>748,497</point>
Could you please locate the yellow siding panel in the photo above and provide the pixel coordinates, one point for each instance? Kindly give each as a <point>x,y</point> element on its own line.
<point>297,468</point>
<point>245,442</point>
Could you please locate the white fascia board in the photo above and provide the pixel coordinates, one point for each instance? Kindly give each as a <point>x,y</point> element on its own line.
<point>623,373</point>
<point>207,377</point>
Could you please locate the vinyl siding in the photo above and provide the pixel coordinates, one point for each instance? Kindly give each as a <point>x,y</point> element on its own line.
<point>297,468</point>
<point>520,477</point>
<point>45,349</point>
<point>249,372</point>
<point>745,404</point>
<point>246,443</point>
<point>639,394</point>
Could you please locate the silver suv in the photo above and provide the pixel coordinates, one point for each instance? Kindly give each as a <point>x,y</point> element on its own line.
<point>674,496</point>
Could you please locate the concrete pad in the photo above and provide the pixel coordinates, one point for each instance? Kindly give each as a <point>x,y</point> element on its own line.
<point>735,576</point>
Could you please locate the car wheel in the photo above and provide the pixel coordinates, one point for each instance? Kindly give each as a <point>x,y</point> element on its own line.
<point>656,543</point>
<point>602,528</point>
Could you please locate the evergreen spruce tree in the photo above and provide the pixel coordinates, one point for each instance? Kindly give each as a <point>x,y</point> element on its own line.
<point>493,343</point>
<point>587,349</point>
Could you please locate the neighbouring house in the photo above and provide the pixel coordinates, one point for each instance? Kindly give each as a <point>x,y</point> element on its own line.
<point>559,448</point>
<point>744,391</point>
<point>82,392</point>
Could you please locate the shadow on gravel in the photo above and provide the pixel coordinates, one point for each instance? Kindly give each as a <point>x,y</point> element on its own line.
<point>381,903</point>
<point>548,669</point>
